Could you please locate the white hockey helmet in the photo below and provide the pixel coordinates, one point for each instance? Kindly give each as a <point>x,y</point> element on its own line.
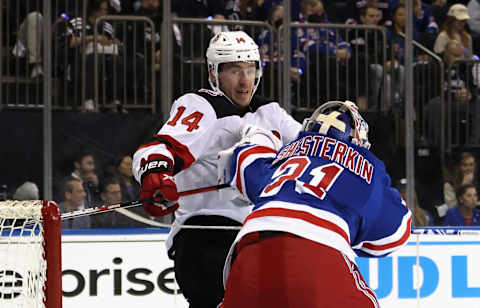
<point>233,46</point>
<point>339,120</point>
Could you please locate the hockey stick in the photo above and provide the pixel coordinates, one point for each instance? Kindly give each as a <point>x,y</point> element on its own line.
<point>154,223</point>
<point>129,204</point>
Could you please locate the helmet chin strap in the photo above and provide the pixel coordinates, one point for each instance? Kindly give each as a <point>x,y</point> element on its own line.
<point>217,88</point>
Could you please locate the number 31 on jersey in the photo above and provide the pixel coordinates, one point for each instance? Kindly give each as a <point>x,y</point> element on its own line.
<point>323,177</point>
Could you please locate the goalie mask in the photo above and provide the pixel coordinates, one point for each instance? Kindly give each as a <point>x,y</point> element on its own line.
<point>234,46</point>
<point>339,120</point>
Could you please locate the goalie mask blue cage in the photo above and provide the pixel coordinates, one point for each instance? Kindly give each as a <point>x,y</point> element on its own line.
<point>339,120</point>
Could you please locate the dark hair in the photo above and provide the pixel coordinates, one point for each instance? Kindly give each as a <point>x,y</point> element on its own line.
<point>95,5</point>
<point>112,169</point>
<point>272,10</point>
<point>304,3</point>
<point>396,7</point>
<point>117,161</point>
<point>109,181</point>
<point>457,176</point>
<point>364,10</point>
<point>462,189</point>
<point>67,184</point>
<point>82,154</point>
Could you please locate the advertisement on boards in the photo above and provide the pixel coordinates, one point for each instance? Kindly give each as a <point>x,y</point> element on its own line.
<point>131,268</point>
<point>128,270</point>
<point>432,270</point>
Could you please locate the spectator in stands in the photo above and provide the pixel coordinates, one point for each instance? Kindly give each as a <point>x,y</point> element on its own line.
<point>122,170</point>
<point>138,40</point>
<point>85,171</point>
<point>367,48</point>
<point>396,53</point>
<point>269,52</point>
<point>129,7</point>
<point>462,103</point>
<point>27,191</point>
<point>463,172</point>
<point>301,39</point>
<point>145,36</point>
<point>110,193</point>
<point>29,33</point>
<point>474,13</point>
<point>29,38</point>
<point>454,29</point>
<point>439,11</point>
<point>251,9</point>
<point>322,51</point>
<point>421,217</point>
<point>275,19</point>
<point>257,9</point>
<point>107,46</point>
<point>73,200</point>
<point>465,214</point>
<point>424,23</point>
<point>354,8</point>
<point>200,9</point>
<point>423,19</point>
<point>193,38</point>
<point>474,24</point>
<point>209,9</point>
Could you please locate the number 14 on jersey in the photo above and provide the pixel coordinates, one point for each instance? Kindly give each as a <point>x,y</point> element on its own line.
<point>191,120</point>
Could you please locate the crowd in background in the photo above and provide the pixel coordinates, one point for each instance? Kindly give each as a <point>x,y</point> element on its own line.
<point>450,29</point>
<point>344,54</point>
<point>89,184</point>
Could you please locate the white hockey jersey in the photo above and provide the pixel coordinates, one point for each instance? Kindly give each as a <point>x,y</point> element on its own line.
<point>200,125</point>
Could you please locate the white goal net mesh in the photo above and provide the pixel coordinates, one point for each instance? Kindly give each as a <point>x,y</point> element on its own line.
<point>22,262</point>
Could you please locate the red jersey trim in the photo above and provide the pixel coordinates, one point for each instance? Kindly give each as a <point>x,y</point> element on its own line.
<point>259,149</point>
<point>176,148</point>
<point>299,215</point>
<point>397,243</point>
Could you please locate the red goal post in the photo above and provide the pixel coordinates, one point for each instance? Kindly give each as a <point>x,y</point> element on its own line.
<point>30,254</point>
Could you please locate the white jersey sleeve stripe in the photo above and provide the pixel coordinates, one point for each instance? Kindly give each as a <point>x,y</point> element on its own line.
<point>144,152</point>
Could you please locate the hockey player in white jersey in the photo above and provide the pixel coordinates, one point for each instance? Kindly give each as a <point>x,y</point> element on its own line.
<point>319,201</point>
<point>183,155</point>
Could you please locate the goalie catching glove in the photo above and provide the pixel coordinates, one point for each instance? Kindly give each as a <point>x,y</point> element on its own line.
<point>159,191</point>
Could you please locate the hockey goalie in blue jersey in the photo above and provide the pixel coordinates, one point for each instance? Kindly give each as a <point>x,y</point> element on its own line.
<point>319,201</point>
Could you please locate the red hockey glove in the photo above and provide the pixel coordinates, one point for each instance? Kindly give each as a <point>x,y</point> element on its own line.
<point>159,188</point>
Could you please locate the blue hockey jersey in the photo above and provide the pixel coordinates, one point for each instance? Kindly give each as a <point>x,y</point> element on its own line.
<point>323,189</point>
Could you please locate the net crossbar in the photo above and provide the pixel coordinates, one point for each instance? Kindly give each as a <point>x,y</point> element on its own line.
<point>29,254</point>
